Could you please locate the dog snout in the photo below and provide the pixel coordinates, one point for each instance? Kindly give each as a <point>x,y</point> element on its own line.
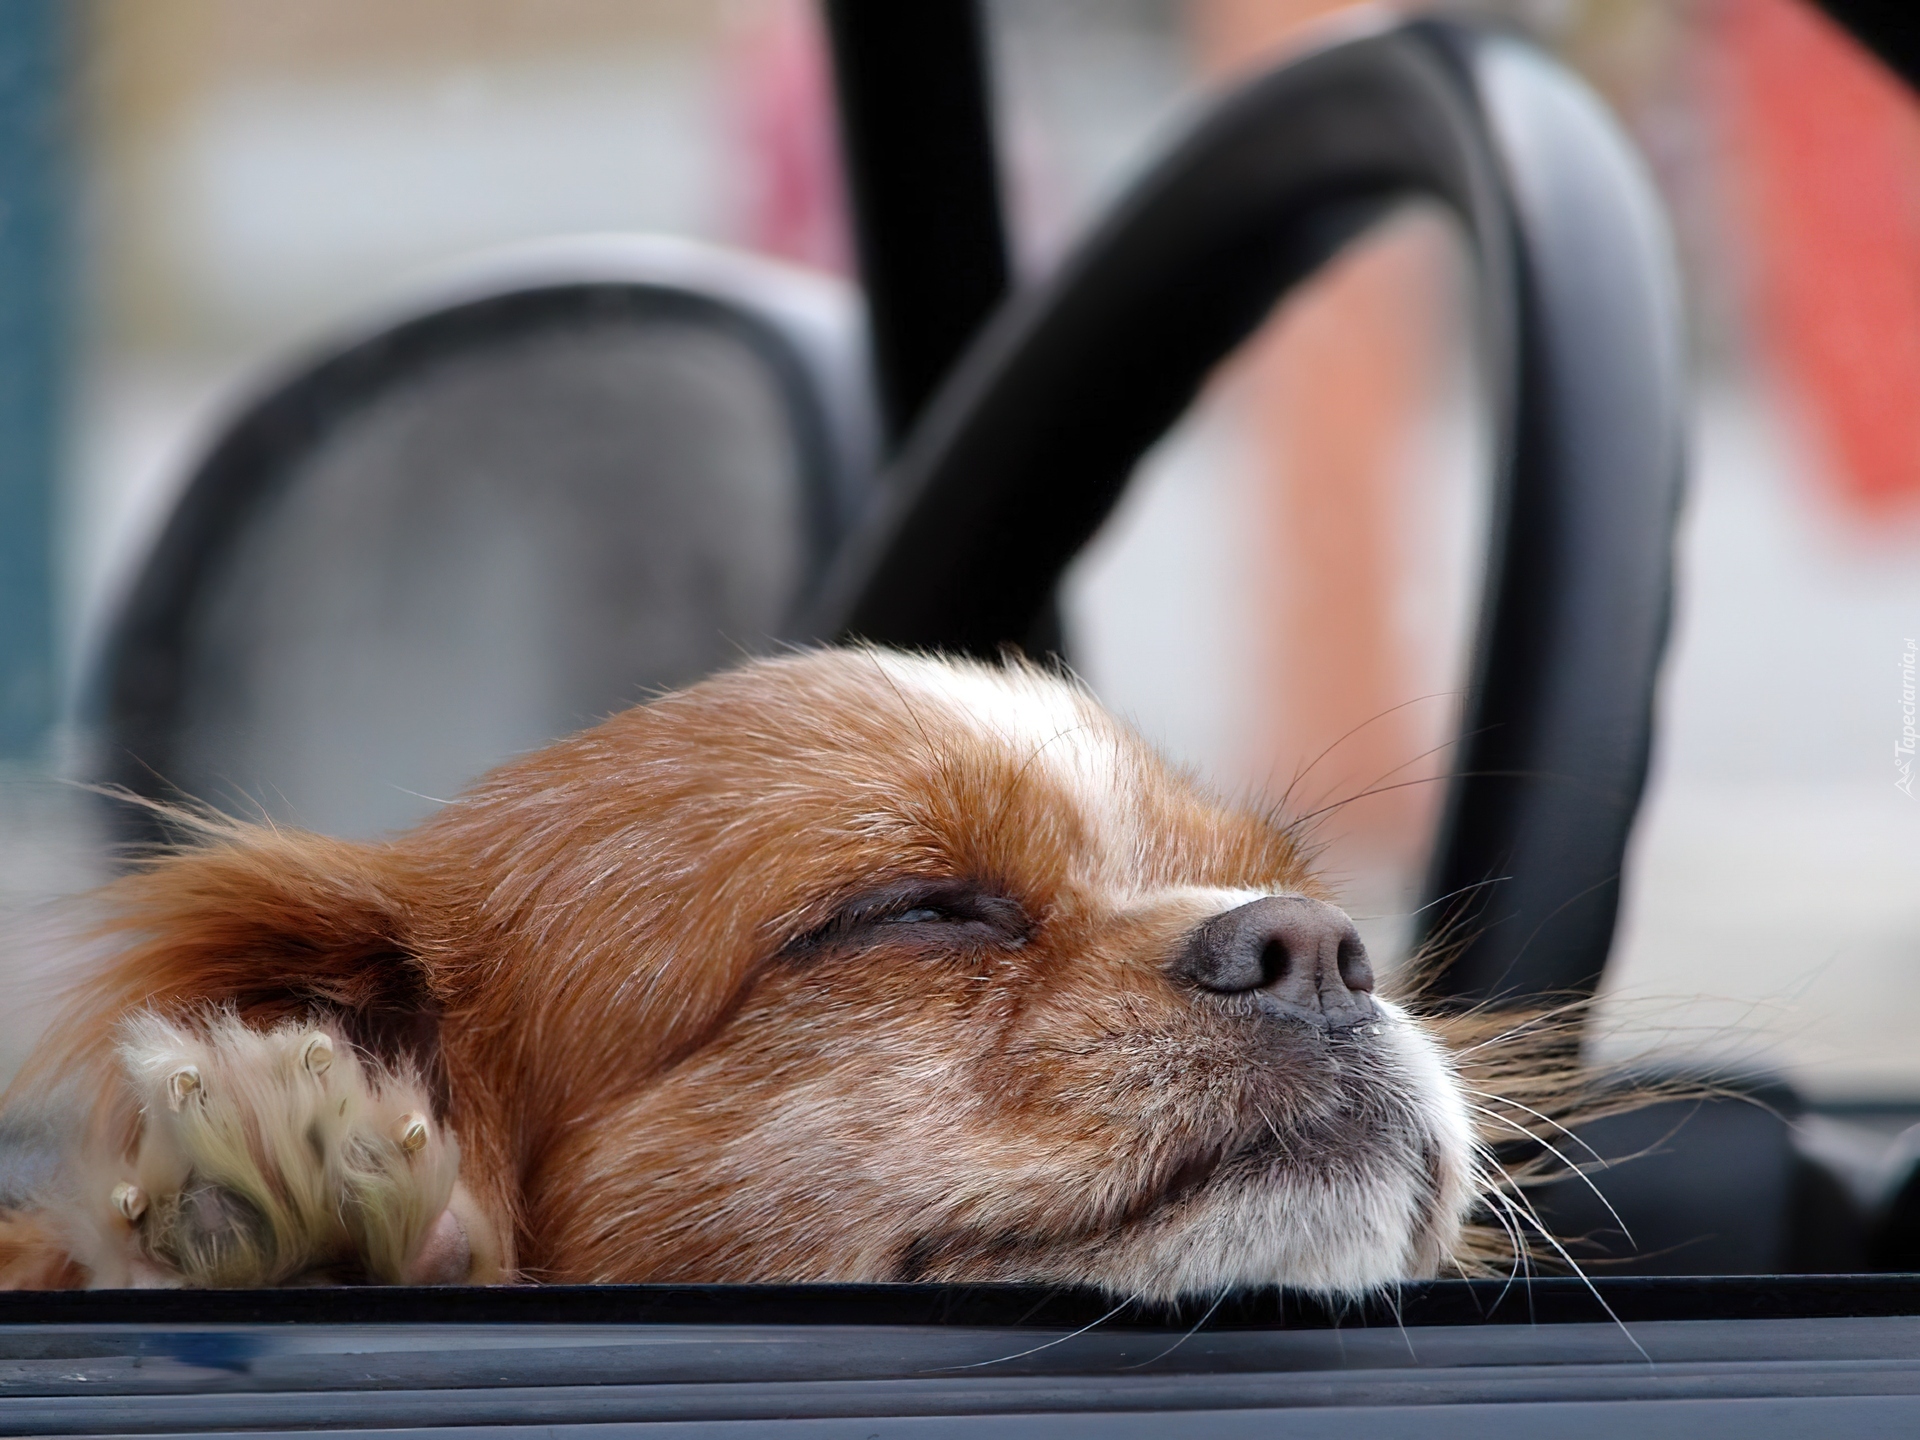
<point>1302,957</point>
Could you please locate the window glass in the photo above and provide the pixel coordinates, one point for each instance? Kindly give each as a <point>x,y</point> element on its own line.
<point>1284,598</point>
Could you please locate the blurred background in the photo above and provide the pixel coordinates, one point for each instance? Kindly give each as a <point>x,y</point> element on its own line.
<point>195,189</point>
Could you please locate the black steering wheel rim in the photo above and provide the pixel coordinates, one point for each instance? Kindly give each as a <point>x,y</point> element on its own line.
<point>1031,441</point>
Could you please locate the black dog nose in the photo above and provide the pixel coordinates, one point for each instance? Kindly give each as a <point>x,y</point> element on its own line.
<point>1303,956</point>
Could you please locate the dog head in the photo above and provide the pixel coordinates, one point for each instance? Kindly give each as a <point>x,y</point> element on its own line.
<point>865,966</point>
<point>858,966</point>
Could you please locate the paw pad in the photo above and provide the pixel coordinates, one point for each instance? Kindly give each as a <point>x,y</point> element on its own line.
<point>267,1155</point>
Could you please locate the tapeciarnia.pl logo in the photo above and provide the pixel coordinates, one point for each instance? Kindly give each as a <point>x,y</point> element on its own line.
<point>1903,749</point>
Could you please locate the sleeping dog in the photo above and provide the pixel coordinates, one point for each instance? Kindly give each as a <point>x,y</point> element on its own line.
<point>848,966</point>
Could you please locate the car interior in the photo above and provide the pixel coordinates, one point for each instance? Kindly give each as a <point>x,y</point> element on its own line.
<point>577,470</point>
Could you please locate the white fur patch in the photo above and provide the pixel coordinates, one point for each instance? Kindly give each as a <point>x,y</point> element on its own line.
<point>1043,721</point>
<point>1200,902</point>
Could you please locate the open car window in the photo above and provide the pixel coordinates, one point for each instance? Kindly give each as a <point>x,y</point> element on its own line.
<point>244,215</point>
<point>241,176</point>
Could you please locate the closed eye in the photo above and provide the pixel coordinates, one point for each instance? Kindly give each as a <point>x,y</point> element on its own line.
<point>921,916</point>
<point>942,912</point>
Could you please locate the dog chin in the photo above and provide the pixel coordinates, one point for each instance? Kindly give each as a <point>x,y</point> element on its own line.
<point>1336,1219</point>
<point>1377,1197</point>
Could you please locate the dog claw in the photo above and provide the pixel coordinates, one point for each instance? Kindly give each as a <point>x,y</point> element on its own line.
<point>318,1055</point>
<point>182,1083</point>
<point>130,1200</point>
<point>410,1133</point>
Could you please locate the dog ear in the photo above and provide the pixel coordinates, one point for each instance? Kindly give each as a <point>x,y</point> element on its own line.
<point>218,958</point>
<point>270,925</point>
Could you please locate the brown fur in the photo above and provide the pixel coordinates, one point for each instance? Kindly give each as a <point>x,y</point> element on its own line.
<point>33,1255</point>
<point>626,971</point>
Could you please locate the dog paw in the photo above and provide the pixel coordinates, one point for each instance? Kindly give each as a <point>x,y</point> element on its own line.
<point>268,1157</point>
